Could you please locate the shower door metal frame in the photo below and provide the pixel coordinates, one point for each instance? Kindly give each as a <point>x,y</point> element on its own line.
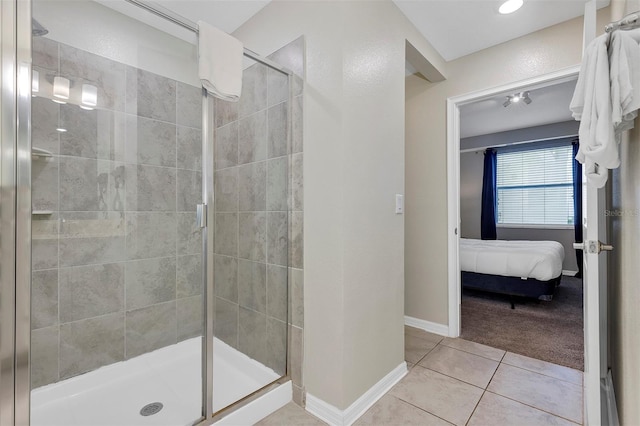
<point>8,132</point>
<point>15,216</point>
<point>15,213</point>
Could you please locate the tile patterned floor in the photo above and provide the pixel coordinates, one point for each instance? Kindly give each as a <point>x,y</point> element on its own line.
<point>454,381</point>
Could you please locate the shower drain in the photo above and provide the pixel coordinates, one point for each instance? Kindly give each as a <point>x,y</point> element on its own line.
<point>151,409</point>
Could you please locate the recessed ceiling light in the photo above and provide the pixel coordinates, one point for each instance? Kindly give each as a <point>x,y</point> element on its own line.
<point>510,6</point>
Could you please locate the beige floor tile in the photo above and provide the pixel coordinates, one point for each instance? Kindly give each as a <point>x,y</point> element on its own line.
<point>548,369</point>
<point>496,410</point>
<point>440,395</point>
<point>543,392</point>
<point>415,348</point>
<point>390,410</point>
<point>474,348</point>
<point>461,365</point>
<point>290,415</point>
<point>416,332</point>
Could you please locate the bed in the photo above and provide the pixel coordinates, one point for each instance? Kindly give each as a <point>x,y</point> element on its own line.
<point>516,268</point>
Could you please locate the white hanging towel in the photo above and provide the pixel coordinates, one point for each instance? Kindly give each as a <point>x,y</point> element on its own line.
<point>591,104</point>
<point>624,60</point>
<point>219,62</point>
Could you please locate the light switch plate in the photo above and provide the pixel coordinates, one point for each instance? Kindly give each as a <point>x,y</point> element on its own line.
<point>399,204</point>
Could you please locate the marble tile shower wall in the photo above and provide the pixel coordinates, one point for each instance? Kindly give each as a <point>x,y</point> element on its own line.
<point>258,226</point>
<point>117,262</point>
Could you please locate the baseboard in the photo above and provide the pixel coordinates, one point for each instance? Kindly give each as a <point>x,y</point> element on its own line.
<point>611,406</point>
<point>431,327</point>
<point>337,417</point>
<point>569,273</point>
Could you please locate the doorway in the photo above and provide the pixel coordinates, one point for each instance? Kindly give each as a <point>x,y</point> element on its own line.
<point>518,183</point>
<point>593,202</point>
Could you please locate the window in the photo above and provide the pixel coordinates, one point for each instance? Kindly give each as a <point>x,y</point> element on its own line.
<point>535,186</point>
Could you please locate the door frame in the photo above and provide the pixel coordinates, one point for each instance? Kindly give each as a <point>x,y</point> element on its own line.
<point>591,387</point>
<point>453,175</point>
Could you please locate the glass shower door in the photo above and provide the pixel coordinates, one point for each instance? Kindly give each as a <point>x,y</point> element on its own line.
<point>117,286</point>
<point>251,236</point>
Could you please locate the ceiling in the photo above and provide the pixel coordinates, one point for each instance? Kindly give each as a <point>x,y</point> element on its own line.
<point>454,27</point>
<point>549,104</point>
<point>227,15</point>
<point>457,28</point>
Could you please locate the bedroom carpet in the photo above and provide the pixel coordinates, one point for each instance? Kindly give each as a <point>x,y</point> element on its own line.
<point>549,331</point>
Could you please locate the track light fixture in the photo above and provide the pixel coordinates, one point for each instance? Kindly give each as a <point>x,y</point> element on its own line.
<point>516,98</point>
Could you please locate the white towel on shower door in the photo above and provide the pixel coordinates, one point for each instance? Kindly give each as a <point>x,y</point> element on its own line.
<point>219,62</point>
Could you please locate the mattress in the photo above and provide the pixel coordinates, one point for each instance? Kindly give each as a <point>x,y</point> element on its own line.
<point>540,260</point>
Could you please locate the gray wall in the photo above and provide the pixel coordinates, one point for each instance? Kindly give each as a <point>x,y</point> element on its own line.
<point>546,131</point>
<point>471,168</point>
<point>120,246</point>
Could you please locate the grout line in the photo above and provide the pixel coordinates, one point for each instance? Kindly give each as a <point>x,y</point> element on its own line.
<point>531,406</point>
<point>451,377</point>
<point>415,406</point>
<point>58,375</point>
<point>543,374</point>
<point>476,407</point>
<point>472,353</point>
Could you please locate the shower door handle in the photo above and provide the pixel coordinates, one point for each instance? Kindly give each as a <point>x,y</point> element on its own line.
<point>201,215</point>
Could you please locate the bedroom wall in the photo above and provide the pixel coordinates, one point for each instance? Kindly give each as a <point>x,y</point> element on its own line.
<point>471,170</point>
<point>426,241</point>
<point>546,131</point>
<point>624,268</point>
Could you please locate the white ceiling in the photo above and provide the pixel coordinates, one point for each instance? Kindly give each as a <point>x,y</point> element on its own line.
<point>457,28</point>
<point>549,105</point>
<point>454,27</point>
<point>226,15</point>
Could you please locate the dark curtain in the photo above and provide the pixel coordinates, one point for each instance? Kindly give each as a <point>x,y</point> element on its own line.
<point>489,199</point>
<point>577,204</point>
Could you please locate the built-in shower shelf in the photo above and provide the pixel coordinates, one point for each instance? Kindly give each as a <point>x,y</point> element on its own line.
<point>42,212</point>
<point>40,153</point>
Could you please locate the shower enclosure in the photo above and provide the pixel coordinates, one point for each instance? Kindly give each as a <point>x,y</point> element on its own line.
<point>150,222</point>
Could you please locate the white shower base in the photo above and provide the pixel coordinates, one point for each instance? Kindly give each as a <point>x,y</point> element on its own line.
<point>113,395</point>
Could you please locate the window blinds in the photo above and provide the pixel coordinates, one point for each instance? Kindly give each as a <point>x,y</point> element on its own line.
<point>534,186</point>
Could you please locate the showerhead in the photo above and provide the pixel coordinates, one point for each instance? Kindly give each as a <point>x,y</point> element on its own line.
<point>37,30</point>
